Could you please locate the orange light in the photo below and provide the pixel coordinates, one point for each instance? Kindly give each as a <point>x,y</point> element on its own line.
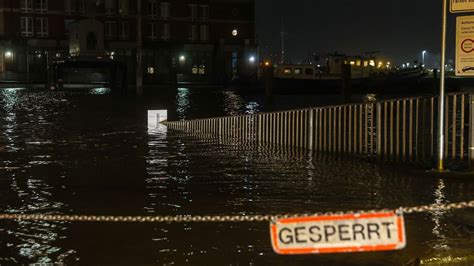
<point>267,63</point>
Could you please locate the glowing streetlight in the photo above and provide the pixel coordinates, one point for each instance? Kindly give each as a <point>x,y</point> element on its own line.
<point>8,54</point>
<point>423,57</point>
<point>235,32</point>
<point>182,58</point>
<point>252,59</point>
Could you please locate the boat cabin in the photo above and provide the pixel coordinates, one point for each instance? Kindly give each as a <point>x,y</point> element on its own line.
<point>293,71</point>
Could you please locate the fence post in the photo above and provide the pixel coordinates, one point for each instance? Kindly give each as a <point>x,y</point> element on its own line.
<point>378,128</point>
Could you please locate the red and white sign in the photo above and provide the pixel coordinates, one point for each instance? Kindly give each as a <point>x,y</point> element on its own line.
<point>465,46</point>
<point>338,233</point>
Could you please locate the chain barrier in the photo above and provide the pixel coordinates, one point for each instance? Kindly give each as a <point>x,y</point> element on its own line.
<point>226,218</point>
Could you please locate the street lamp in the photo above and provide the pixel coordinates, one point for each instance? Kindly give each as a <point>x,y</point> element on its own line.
<point>9,54</point>
<point>423,58</point>
<point>182,59</point>
<point>252,59</point>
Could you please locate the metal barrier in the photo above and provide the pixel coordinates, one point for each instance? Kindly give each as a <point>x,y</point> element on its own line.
<point>401,130</point>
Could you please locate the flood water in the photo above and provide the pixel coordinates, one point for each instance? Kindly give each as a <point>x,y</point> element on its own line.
<point>86,153</point>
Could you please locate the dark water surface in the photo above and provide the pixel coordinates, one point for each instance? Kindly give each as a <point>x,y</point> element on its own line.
<point>75,153</point>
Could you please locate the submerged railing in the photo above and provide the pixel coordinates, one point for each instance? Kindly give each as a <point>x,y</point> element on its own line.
<point>401,130</point>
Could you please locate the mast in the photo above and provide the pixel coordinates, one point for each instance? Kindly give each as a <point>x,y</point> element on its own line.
<point>283,34</point>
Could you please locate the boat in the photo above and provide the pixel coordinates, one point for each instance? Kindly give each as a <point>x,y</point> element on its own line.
<point>356,73</point>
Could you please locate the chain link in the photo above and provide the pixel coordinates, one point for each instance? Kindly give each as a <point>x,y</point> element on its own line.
<point>226,218</point>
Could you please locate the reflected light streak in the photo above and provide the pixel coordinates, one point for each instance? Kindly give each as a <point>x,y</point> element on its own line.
<point>437,216</point>
<point>182,102</point>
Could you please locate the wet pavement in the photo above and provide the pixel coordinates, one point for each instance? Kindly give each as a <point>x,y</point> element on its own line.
<point>88,153</point>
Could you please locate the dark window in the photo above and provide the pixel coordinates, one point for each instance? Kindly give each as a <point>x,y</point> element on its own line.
<point>91,41</point>
<point>309,71</point>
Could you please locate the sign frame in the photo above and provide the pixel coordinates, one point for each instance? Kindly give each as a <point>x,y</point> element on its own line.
<point>331,248</point>
<point>452,8</point>
<point>464,59</point>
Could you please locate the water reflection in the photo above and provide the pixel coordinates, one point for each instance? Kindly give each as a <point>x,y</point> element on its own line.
<point>182,102</point>
<point>233,103</point>
<point>438,216</point>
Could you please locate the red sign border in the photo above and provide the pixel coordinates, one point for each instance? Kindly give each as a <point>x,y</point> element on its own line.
<point>299,251</point>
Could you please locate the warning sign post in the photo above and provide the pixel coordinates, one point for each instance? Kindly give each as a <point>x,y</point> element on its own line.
<point>465,46</point>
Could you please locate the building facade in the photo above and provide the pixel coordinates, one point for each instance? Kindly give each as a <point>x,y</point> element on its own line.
<point>193,40</point>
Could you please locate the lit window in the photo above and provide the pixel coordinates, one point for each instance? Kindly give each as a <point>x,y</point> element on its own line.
<point>358,63</point>
<point>366,63</point>
<point>287,71</point>
<point>298,71</point>
<point>372,63</point>
<point>26,26</point>
<point>151,70</point>
<point>202,70</point>
<point>353,63</point>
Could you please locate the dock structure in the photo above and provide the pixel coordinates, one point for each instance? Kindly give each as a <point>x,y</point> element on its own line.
<point>400,130</point>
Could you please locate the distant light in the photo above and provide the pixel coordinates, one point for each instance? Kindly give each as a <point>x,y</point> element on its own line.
<point>100,91</point>
<point>408,64</point>
<point>235,32</point>
<point>151,70</point>
<point>353,63</point>
<point>252,59</point>
<point>372,63</point>
<point>318,65</point>
<point>155,117</point>
<point>9,54</point>
<point>403,65</point>
<point>267,63</point>
<point>182,58</point>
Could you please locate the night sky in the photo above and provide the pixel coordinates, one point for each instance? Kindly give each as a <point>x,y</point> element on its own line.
<point>400,29</point>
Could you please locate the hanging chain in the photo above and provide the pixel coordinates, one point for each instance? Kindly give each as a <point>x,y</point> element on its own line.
<point>226,218</point>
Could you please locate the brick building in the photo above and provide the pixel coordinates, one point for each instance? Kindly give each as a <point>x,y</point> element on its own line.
<point>195,40</point>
